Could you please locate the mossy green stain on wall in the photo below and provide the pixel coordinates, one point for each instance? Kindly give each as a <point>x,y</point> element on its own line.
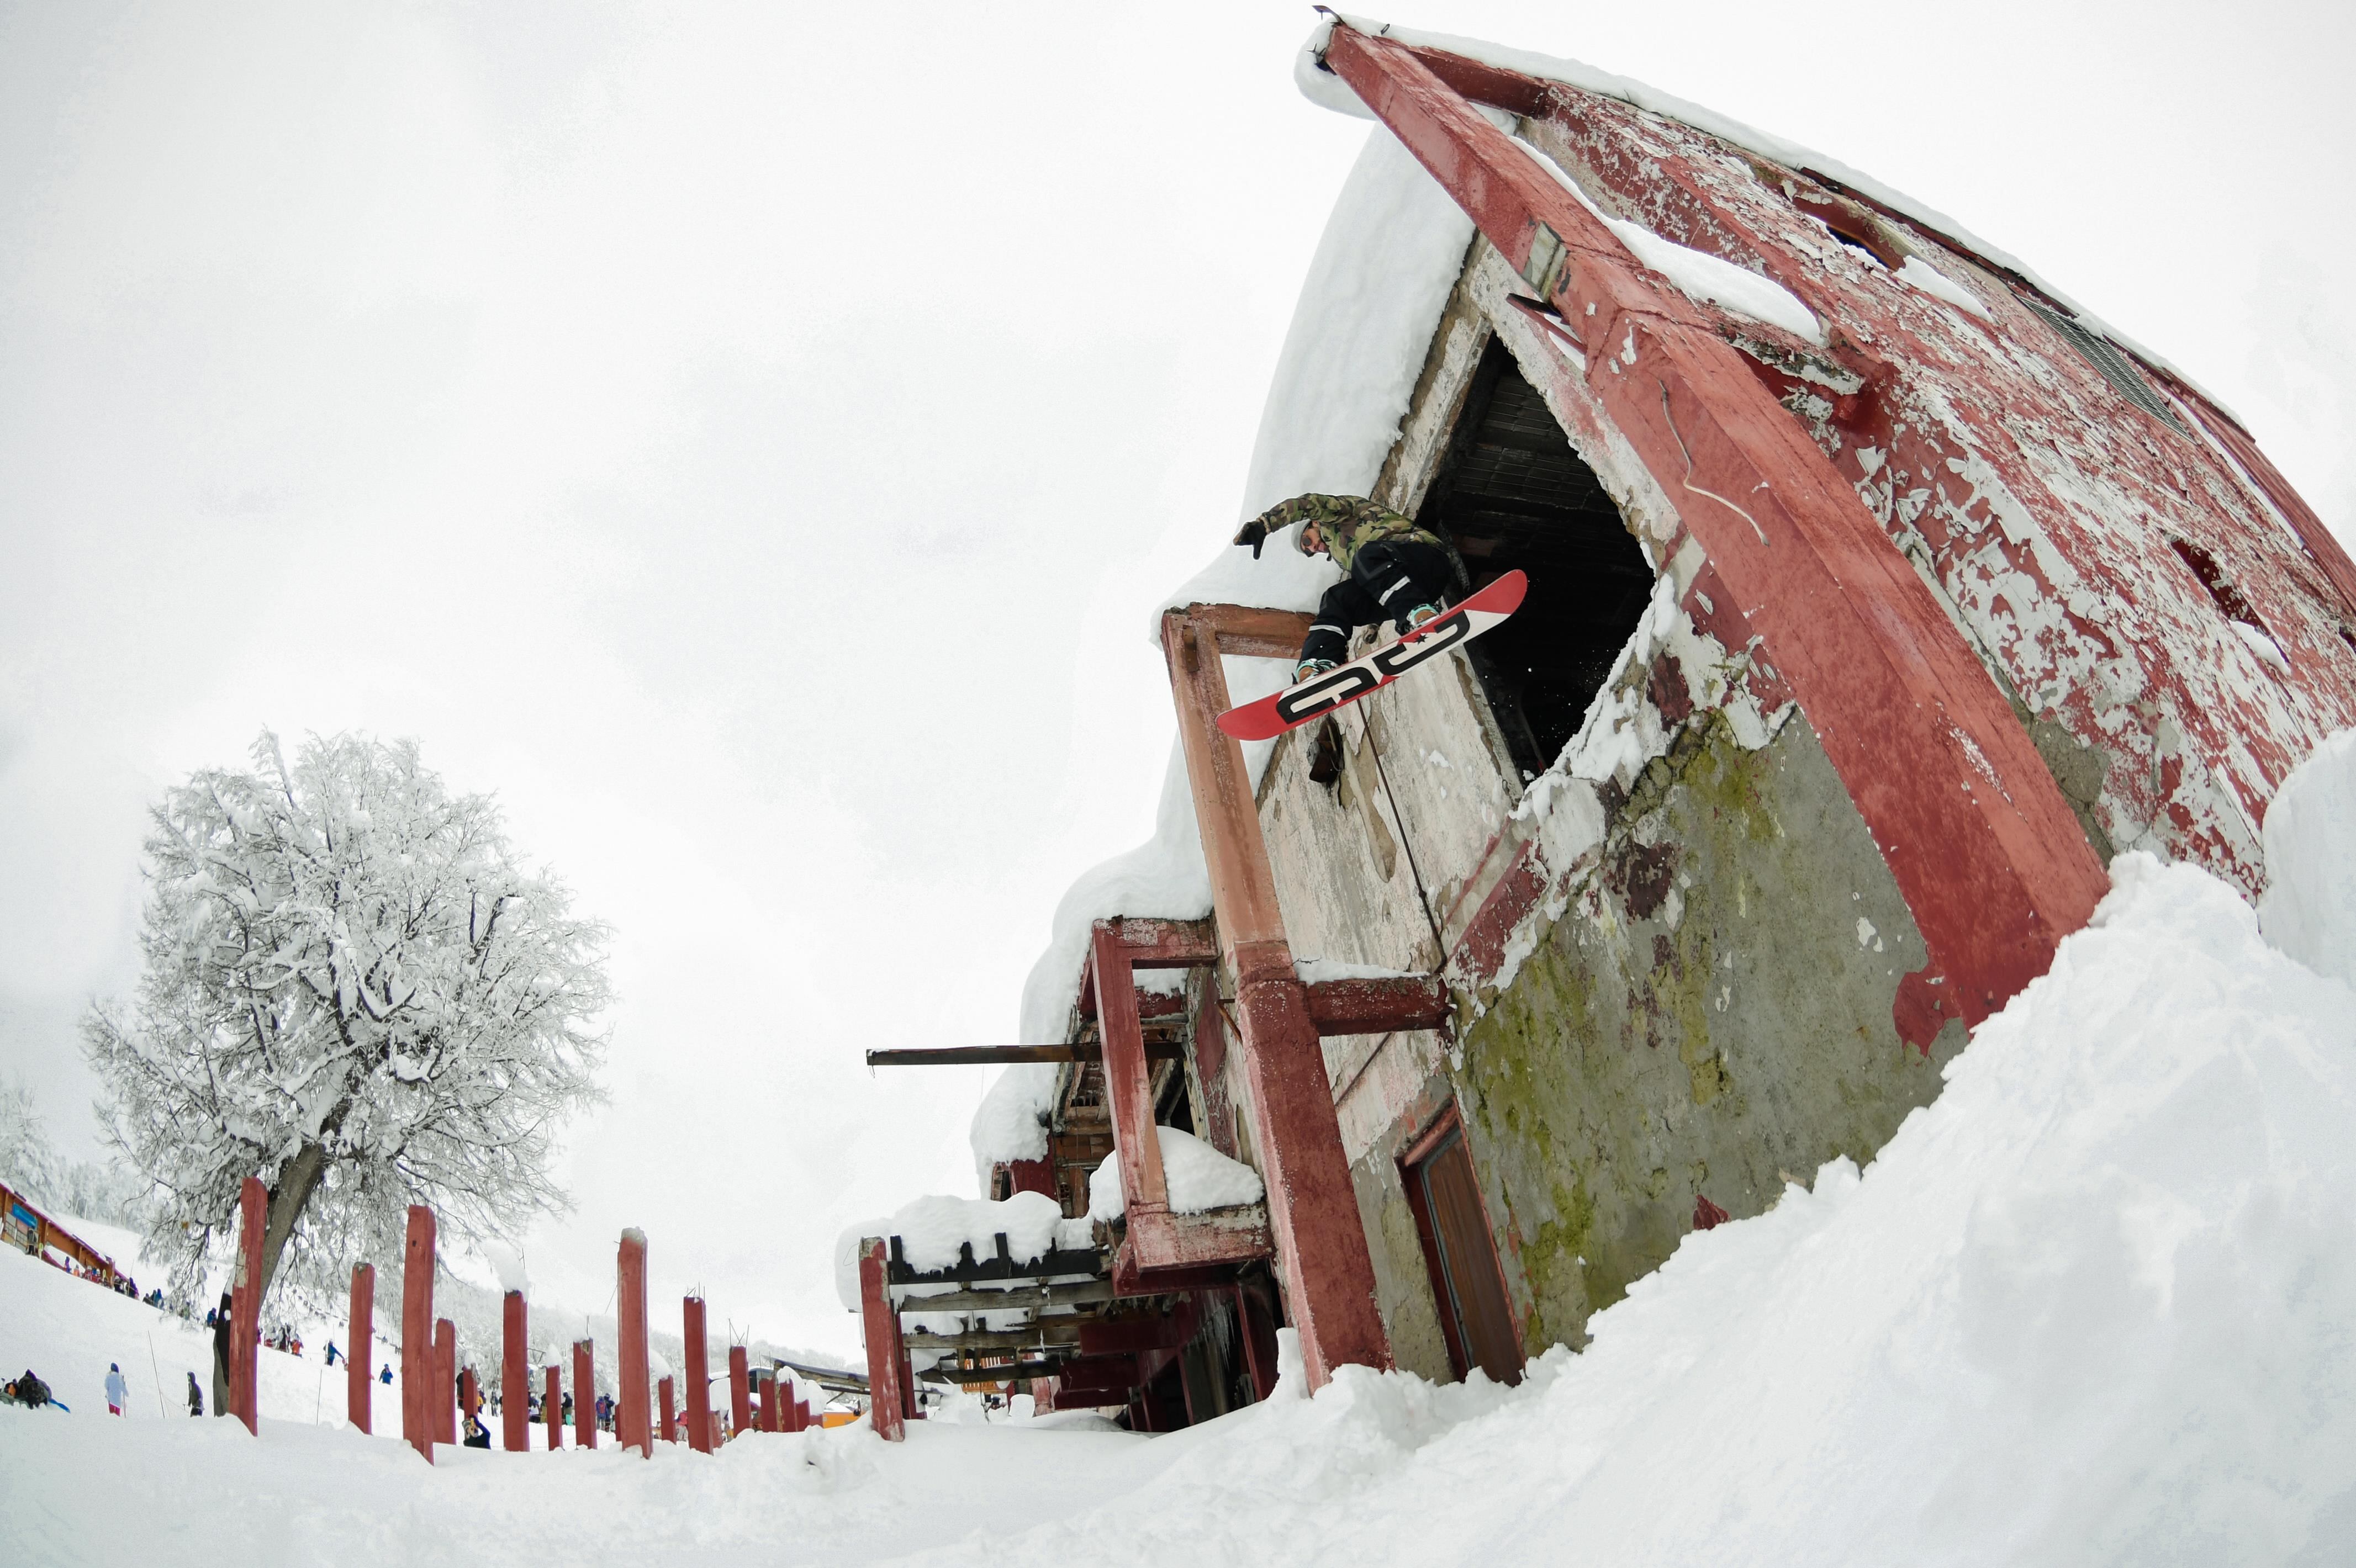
<point>1739,1033</point>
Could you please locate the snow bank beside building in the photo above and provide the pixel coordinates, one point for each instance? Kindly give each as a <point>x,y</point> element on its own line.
<point>932,1230</point>
<point>2310,835</point>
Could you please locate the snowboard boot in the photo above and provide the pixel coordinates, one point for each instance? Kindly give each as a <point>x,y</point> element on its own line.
<point>1309,667</point>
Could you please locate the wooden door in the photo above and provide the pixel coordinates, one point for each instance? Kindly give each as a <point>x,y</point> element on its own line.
<point>1471,1288</point>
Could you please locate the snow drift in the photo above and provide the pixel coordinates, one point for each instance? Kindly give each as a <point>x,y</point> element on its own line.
<point>2092,1306</point>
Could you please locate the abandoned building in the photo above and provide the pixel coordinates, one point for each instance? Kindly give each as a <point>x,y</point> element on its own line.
<point>1879,596</point>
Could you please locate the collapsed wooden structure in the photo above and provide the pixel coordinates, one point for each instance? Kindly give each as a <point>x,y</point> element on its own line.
<point>1860,639</point>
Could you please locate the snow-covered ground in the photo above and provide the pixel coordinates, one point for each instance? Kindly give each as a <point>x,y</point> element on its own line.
<point>2096,1304</point>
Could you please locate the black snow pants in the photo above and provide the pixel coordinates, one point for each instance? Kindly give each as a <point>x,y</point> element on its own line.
<point>1387,579</point>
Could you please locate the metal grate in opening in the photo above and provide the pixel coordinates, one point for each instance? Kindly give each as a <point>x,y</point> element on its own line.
<point>2105,356</point>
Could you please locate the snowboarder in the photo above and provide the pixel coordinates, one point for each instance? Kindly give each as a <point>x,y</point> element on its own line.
<point>196,1396</point>
<point>30,1390</point>
<point>1397,570</point>
<point>118,1393</point>
<point>223,1329</point>
<point>332,1352</point>
<point>385,1377</point>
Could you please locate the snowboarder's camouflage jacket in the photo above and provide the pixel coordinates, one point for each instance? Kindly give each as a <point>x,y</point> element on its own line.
<point>1349,523</point>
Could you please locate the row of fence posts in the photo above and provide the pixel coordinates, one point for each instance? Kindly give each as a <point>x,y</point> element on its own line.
<point>434,1388</point>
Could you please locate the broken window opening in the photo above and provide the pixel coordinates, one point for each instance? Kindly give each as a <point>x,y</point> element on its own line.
<point>2109,359</point>
<point>1513,493</point>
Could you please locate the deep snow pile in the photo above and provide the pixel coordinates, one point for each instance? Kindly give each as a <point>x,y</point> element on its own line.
<point>2096,1304</point>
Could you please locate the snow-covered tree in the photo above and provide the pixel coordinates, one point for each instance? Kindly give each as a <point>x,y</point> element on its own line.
<point>353,991</point>
<point>27,1164</point>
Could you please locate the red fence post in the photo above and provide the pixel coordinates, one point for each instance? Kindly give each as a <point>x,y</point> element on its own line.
<point>515,1413</point>
<point>669,1411</point>
<point>631,1408</point>
<point>470,1400</point>
<point>584,1394</point>
<point>884,1405</point>
<point>446,1387</point>
<point>740,1397</point>
<point>360,1349</point>
<point>417,1333</point>
<point>769,1421</point>
<point>551,1411</point>
<point>698,1377</point>
<point>245,1304</point>
<point>801,1415</point>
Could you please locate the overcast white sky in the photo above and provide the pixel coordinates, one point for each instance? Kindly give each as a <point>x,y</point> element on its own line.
<point>748,438</point>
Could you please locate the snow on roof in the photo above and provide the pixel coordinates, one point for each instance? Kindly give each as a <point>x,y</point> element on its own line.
<point>1328,91</point>
<point>1391,252</point>
<point>932,1230</point>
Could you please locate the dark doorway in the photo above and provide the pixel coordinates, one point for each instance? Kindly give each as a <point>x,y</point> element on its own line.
<point>1512,492</point>
<point>1446,1197</point>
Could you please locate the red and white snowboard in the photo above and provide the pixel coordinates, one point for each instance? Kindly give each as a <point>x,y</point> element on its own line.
<point>1344,683</point>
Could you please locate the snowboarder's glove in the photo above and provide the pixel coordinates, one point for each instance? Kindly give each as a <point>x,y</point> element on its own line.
<point>1253,533</point>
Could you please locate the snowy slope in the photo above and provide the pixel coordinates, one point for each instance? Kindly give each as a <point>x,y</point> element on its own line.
<point>2093,1306</point>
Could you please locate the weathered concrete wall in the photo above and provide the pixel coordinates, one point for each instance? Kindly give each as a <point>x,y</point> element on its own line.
<point>1709,1017</point>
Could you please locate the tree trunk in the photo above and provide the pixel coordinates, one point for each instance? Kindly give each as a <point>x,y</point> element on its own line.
<point>296,1182</point>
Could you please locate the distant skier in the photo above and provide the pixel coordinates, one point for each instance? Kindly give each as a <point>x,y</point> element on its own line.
<point>1398,571</point>
<point>196,1396</point>
<point>385,1377</point>
<point>332,1352</point>
<point>223,1331</point>
<point>118,1393</point>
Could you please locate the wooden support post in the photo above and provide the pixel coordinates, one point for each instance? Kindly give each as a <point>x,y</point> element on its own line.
<point>584,1394</point>
<point>445,1381</point>
<point>801,1415</point>
<point>630,1421</point>
<point>1312,1203</point>
<point>515,1387</point>
<point>1257,1331</point>
<point>764,1409</point>
<point>551,1409</point>
<point>417,1333</point>
<point>882,1321</point>
<point>670,1432</point>
<point>698,1377</point>
<point>245,1304</point>
<point>740,1391</point>
<point>470,1402</point>
<point>360,1388</point>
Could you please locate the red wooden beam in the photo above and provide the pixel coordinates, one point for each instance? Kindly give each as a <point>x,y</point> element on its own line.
<point>245,1301</point>
<point>1312,1203</point>
<point>1248,633</point>
<point>515,1386</point>
<point>552,1410</point>
<point>767,1419</point>
<point>740,1391</point>
<point>470,1402</point>
<point>417,1332</point>
<point>1992,864</point>
<point>630,1414</point>
<point>670,1432</point>
<point>1137,1334</point>
<point>584,1394</point>
<point>698,1377</point>
<point>360,1388</point>
<point>1127,1085</point>
<point>1379,1006</point>
<point>445,1381</point>
<point>884,1405</point>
